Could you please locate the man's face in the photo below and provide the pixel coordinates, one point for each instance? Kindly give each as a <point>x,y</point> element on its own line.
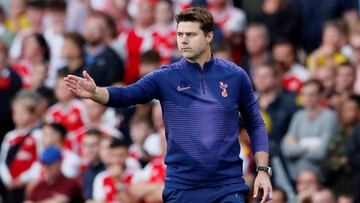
<point>191,40</point>
<point>94,30</point>
<point>255,40</point>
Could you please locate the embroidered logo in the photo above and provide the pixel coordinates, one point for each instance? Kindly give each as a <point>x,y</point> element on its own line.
<point>184,85</point>
<point>224,87</point>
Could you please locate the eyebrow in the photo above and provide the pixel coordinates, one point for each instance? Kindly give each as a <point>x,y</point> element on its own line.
<point>187,33</point>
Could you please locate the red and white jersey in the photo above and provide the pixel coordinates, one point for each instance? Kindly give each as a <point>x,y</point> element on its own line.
<point>72,115</point>
<point>165,42</point>
<point>22,165</point>
<point>74,141</point>
<point>232,18</point>
<point>294,78</point>
<point>130,46</point>
<point>106,189</point>
<point>154,172</point>
<point>25,71</point>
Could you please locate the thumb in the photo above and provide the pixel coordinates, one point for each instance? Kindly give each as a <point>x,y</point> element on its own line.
<point>86,75</point>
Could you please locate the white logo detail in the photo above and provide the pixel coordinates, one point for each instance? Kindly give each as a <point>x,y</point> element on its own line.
<point>179,88</point>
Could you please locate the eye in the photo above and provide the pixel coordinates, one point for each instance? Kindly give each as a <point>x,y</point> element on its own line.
<point>179,34</point>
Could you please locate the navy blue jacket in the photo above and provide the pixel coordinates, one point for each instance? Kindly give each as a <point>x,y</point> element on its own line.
<point>201,116</point>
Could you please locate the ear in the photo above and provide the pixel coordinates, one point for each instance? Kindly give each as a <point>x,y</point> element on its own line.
<point>210,36</point>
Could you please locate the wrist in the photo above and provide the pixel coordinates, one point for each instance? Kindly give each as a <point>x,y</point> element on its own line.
<point>265,170</point>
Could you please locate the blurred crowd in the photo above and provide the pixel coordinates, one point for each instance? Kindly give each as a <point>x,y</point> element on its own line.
<point>303,57</point>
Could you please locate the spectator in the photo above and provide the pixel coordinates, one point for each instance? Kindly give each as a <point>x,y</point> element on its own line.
<point>112,184</point>
<point>232,24</point>
<point>327,77</point>
<point>17,19</point>
<point>55,187</point>
<point>101,61</point>
<point>118,10</point>
<point>35,13</point>
<point>328,54</point>
<point>101,118</point>
<point>278,104</point>
<point>136,41</point>
<point>139,130</point>
<point>284,53</point>
<point>68,110</point>
<point>91,155</point>
<point>336,164</point>
<point>147,185</point>
<point>54,135</point>
<point>279,196</point>
<point>73,51</point>
<point>344,84</point>
<point>281,20</point>
<point>54,35</point>
<point>310,131</point>
<point>256,43</point>
<point>20,147</point>
<point>164,34</point>
<point>323,195</point>
<point>32,65</point>
<point>307,183</point>
<point>150,61</point>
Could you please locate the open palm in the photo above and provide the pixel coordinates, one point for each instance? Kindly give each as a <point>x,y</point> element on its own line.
<point>82,87</point>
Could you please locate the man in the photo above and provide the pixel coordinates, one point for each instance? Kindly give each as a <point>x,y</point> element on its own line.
<point>55,187</point>
<point>200,96</point>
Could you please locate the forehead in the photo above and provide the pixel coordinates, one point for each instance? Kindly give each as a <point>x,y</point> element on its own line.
<point>188,26</point>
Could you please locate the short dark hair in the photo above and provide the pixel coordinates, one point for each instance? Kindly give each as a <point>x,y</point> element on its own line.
<point>77,39</point>
<point>59,128</point>
<point>197,14</point>
<point>116,142</point>
<point>150,56</point>
<point>315,82</point>
<point>94,132</point>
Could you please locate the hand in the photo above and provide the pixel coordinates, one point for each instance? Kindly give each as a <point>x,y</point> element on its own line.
<point>82,87</point>
<point>262,182</point>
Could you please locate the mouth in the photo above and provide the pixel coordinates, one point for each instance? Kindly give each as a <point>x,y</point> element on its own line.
<point>185,49</point>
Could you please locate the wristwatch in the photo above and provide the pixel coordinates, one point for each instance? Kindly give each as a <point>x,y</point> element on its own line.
<point>266,169</point>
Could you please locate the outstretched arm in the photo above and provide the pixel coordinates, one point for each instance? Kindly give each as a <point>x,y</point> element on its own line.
<point>86,88</point>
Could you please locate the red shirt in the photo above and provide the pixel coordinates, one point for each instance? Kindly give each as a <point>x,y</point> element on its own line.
<point>61,185</point>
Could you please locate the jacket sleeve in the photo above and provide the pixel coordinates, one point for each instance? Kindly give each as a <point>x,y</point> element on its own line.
<point>140,92</point>
<point>250,113</point>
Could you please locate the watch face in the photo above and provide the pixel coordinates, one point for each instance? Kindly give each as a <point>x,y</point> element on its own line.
<point>266,169</point>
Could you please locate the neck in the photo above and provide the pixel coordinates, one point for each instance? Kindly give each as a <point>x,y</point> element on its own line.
<point>95,48</point>
<point>202,59</point>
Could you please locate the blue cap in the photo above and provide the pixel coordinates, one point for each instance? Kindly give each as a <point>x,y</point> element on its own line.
<point>50,155</point>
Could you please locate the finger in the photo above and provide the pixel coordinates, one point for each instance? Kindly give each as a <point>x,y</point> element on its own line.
<point>86,75</point>
<point>270,193</point>
<point>72,78</point>
<point>265,195</point>
<point>256,189</point>
<point>71,85</point>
